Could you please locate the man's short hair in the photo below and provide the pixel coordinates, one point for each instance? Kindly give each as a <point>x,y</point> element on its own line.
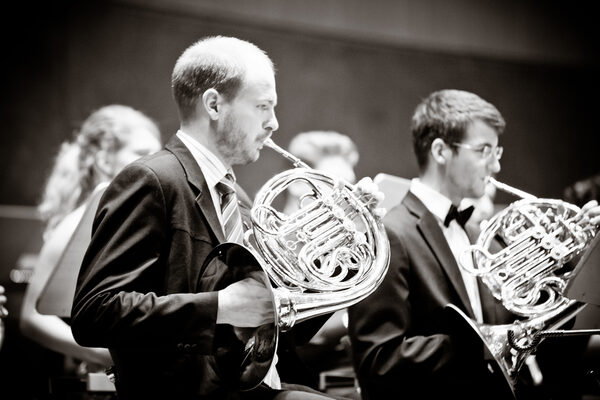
<point>446,114</point>
<point>217,62</point>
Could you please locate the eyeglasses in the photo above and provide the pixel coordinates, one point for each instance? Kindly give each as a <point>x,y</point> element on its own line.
<point>486,150</point>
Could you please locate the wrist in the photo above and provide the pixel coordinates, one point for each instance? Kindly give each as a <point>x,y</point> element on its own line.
<point>222,302</point>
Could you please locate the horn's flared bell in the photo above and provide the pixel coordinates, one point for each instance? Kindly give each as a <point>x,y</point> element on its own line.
<point>497,353</point>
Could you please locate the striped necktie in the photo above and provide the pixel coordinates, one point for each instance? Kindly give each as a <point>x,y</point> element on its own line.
<point>232,219</point>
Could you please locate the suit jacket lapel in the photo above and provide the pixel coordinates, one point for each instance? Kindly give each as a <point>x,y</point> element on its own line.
<point>197,181</point>
<point>429,227</point>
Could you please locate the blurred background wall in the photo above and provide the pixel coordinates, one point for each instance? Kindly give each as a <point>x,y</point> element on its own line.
<point>358,67</point>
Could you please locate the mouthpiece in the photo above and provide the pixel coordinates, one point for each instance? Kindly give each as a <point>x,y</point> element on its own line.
<point>510,189</point>
<point>298,163</point>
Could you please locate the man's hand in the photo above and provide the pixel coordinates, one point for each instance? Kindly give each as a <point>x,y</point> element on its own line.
<point>592,210</point>
<point>590,214</point>
<point>246,303</point>
<point>369,193</point>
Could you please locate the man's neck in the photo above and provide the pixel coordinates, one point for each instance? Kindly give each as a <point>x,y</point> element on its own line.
<point>203,135</point>
<point>440,185</point>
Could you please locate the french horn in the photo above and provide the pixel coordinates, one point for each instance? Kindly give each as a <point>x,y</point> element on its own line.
<point>328,255</point>
<point>542,239</point>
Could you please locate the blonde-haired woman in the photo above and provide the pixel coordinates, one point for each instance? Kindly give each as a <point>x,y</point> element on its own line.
<point>110,138</point>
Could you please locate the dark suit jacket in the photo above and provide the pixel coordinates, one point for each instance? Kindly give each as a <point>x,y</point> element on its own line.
<point>400,338</point>
<point>141,291</point>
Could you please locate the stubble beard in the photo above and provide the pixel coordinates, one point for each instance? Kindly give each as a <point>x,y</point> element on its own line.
<point>231,143</point>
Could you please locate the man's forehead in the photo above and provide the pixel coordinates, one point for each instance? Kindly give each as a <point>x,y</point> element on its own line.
<point>262,88</point>
<point>482,132</point>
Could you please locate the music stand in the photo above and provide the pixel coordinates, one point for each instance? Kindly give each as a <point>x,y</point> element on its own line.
<point>57,296</point>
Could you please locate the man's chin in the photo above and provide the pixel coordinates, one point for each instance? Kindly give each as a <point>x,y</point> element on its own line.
<point>249,158</point>
<point>477,193</point>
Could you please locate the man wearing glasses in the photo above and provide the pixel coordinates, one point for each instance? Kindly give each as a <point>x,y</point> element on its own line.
<point>401,345</point>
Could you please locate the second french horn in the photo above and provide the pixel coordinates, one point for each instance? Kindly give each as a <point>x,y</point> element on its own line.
<point>541,239</point>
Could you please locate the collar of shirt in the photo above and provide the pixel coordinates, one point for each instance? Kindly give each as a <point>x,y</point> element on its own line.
<point>436,203</point>
<point>212,167</point>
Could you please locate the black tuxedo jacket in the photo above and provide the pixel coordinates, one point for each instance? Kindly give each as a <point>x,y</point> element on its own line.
<point>401,341</point>
<point>141,292</point>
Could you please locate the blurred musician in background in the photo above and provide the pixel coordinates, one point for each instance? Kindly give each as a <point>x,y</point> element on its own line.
<point>583,191</point>
<point>400,342</point>
<point>326,151</point>
<point>110,138</point>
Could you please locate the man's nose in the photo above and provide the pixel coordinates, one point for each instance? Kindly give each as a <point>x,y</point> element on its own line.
<point>495,163</point>
<point>272,124</point>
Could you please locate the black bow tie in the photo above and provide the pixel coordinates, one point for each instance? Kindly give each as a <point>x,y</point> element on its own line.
<point>461,216</point>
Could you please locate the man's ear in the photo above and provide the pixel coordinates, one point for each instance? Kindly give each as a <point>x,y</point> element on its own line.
<point>440,151</point>
<point>211,101</point>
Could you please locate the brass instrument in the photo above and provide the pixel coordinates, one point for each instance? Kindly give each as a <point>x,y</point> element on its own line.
<point>328,255</point>
<point>529,275</point>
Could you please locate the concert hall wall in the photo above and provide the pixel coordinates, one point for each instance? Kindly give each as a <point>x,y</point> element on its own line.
<point>66,59</point>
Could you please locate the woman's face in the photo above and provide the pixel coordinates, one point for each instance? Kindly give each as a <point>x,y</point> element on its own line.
<point>138,142</point>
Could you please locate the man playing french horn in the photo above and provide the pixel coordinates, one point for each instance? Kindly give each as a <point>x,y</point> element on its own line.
<point>142,289</point>
<point>402,343</point>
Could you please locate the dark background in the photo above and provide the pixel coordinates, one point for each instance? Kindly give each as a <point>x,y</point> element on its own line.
<point>62,60</point>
